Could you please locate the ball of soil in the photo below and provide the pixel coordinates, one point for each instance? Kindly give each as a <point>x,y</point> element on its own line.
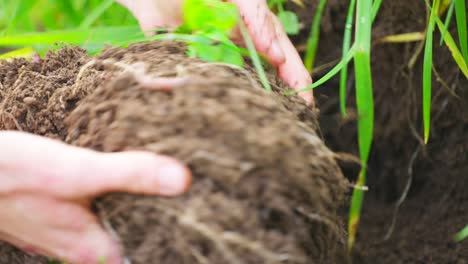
<point>265,187</point>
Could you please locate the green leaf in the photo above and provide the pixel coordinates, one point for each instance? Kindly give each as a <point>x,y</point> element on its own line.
<point>215,53</point>
<point>205,15</point>
<point>462,235</point>
<point>289,21</point>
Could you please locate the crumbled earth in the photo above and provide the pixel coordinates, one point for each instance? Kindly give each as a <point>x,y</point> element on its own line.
<point>265,188</point>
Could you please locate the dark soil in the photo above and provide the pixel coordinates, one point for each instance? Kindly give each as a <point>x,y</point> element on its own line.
<point>436,206</point>
<point>265,188</point>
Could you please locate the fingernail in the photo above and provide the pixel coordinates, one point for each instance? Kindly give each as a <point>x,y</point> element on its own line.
<point>173,179</point>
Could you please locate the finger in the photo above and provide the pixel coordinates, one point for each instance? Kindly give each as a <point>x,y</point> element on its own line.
<point>135,172</point>
<point>256,17</point>
<point>93,246</point>
<point>155,14</point>
<point>70,233</point>
<point>292,70</point>
<point>41,165</point>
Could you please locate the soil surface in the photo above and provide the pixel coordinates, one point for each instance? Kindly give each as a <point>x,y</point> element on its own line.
<point>265,187</point>
<point>436,204</point>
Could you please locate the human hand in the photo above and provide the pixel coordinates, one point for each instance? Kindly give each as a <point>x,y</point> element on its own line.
<point>46,189</point>
<point>266,30</point>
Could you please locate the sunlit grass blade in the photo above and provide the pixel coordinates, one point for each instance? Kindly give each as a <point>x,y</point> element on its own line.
<point>365,109</point>
<point>448,18</point>
<point>349,56</point>
<point>92,17</point>
<point>462,235</point>
<point>345,50</point>
<point>427,71</point>
<point>103,35</point>
<point>27,52</point>
<point>313,40</point>
<point>460,11</point>
<point>456,54</point>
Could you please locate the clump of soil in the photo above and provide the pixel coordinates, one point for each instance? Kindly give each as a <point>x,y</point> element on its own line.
<point>437,201</point>
<point>36,96</point>
<point>265,188</point>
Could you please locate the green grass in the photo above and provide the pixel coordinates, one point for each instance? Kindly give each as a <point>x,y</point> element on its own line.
<point>427,70</point>
<point>288,19</point>
<point>43,15</point>
<point>360,52</point>
<point>365,108</point>
<point>460,12</point>
<point>314,36</point>
<point>345,50</point>
<point>462,235</point>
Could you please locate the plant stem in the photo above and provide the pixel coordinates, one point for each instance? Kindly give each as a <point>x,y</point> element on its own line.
<point>365,108</point>
<point>254,57</point>
<point>313,40</point>
<point>345,49</point>
<point>427,71</point>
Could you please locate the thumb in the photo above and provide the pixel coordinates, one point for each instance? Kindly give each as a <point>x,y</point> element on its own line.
<point>134,172</point>
<point>46,166</point>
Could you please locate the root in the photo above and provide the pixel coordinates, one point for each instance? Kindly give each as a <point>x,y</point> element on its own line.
<point>244,167</point>
<point>403,195</point>
<point>138,71</point>
<point>83,69</point>
<point>222,240</point>
<point>4,115</point>
<point>232,67</point>
<point>314,217</point>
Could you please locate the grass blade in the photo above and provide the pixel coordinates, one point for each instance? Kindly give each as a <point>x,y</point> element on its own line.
<point>460,11</point>
<point>447,20</point>
<point>403,38</point>
<point>330,74</point>
<point>456,54</point>
<point>27,52</point>
<point>375,9</point>
<point>365,108</point>
<point>345,50</point>
<point>103,35</point>
<point>68,8</point>
<point>427,71</point>
<point>462,235</point>
<point>312,41</point>
<point>254,56</point>
<point>18,11</point>
<point>95,14</point>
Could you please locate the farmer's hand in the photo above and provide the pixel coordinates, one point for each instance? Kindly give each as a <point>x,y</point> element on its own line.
<point>46,188</point>
<point>264,27</point>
